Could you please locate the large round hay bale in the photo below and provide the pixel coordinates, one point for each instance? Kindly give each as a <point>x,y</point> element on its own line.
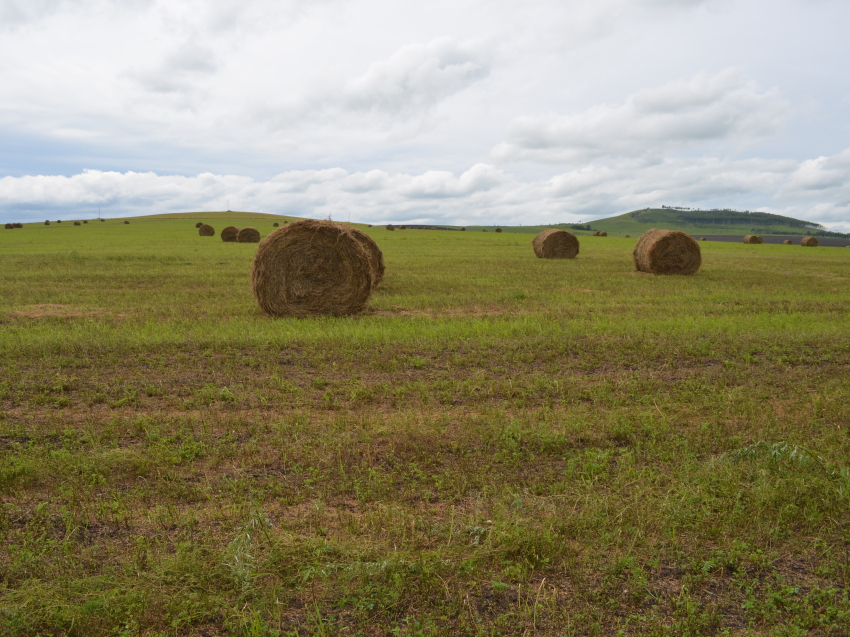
<point>229,234</point>
<point>312,267</point>
<point>199,224</point>
<point>753,239</point>
<point>390,226</point>
<point>376,257</point>
<point>667,252</point>
<point>76,223</point>
<point>787,242</point>
<point>809,242</point>
<point>602,233</point>
<point>248,235</point>
<point>498,229</point>
<point>555,244</point>
<point>9,226</point>
<point>206,230</point>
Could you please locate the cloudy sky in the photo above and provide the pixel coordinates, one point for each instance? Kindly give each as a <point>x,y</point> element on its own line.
<point>496,111</point>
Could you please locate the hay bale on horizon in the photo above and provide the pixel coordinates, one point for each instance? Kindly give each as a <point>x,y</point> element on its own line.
<point>229,234</point>
<point>205,230</point>
<point>47,223</point>
<point>102,220</point>
<point>390,226</point>
<point>667,252</point>
<point>787,242</point>
<point>602,233</point>
<point>376,257</point>
<point>77,223</point>
<point>127,223</point>
<point>555,244</point>
<point>311,268</point>
<point>9,226</point>
<point>17,225</point>
<point>370,225</point>
<point>809,242</point>
<point>753,239</point>
<point>498,229</point>
<point>248,235</point>
<point>84,221</point>
<point>58,221</point>
<point>199,224</point>
<point>463,229</point>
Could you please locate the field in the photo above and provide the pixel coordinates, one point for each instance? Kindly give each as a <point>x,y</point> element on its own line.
<point>499,445</point>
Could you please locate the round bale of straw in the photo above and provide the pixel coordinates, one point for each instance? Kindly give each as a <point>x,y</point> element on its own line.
<point>127,223</point>
<point>753,239</point>
<point>248,235</point>
<point>199,224</point>
<point>787,242</point>
<point>206,230</point>
<point>628,236</point>
<point>602,233</point>
<point>9,226</point>
<point>310,268</point>
<point>229,234</point>
<point>18,225</point>
<point>463,229</point>
<point>390,226</point>
<point>809,242</point>
<point>484,230</point>
<point>102,220</point>
<point>555,244</point>
<point>76,223</point>
<point>58,221</point>
<point>667,252</point>
<point>370,225</point>
<point>376,257</point>
<point>47,223</point>
<point>498,229</point>
<point>275,225</point>
<point>703,239</point>
<point>85,221</point>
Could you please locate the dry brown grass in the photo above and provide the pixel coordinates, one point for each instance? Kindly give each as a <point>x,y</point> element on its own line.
<point>555,244</point>
<point>667,252</point>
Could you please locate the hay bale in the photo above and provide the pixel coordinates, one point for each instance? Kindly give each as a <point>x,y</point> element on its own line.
<point>199,224</point>
<point>9,226</point>
<point>703,239</point>
<point>370,225</point>
<point>809,242</point>
<point>275,225</point>
<point>77,223</point>
<point>102,220</point>
<point>498,229</point>
<point>463,229</point>
<point>753,239</point>
<point>484,230</point>
<point>58,221</point>
<point>127,223</point>
<point>667,252</point>
<point>787,242</point>
<point>46,223</point>
<point>390,226</point>
<point>376,257</point>
<point>555,244</point>
<point>84,221</point>
<point>602,233</point>
<point>248,235</point>
<point>229,234</point>
<point>628,236</point>
<point>206,230</point>
<point>312,267</point>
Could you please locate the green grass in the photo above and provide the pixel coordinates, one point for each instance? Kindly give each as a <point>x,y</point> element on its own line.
<point>499,445</point>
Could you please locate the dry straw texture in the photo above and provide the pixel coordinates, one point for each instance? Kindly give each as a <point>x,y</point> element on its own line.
<point>310,268</point>
<point>555,244</point>
<point>376,257</point>
<point>199,224</point>
<point>229,234</point>
<point>205,230</point>
<point>667,252</point>
<point>390,226</point>
<point>787,242</point>
<point>248,235</point>
<point>809,242</point>
<point>753,239</point>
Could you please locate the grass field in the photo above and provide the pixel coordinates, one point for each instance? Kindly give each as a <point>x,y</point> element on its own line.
<point>499,445</point>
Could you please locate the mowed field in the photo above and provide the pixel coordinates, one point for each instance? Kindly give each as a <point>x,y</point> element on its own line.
<point>499,445</point>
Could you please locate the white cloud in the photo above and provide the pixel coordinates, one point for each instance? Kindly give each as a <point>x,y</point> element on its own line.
<point>678,115</point>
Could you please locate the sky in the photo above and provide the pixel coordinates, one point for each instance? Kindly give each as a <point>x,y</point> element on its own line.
<point>465,112</point>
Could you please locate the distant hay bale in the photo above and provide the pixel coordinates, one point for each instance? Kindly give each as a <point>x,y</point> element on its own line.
<point>229,234</point>
<point>787,242</point>
<point>376,257</point>
<point>18,225</point>
<point>84,221</point>
<point>9,226</point>
<point>602,233</point>
<point>127,223</point>
<point>47,223</point>
<point>312,267</point>
<point>753,239</point>
<point>248,235</point>
<point>463,229</point>
<point>667,252</point>
<point>498,229</point>
<point>102,220</point>
<point>809,242</point>
<point>484,230</point>
<point>555,244</point>
<point>390,226</point>
<point>205,230</point>
<point>370,225</point>
<point>628,236</point>
<point>703,239</point>
<point>199,224</point>
<point>274,225</point>
<point>77,223</point>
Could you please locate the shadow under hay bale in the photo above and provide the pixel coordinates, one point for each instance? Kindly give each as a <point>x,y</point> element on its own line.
<point>753,239</point>
<point>667,252</point>
<point>787,242</point>
<point>230,234</point>
<point>77,223</point>
<point>310,268</point>
<point>206,230</point>
<point>199,224</point>
<point>376,257</point>
<point>390,226</point>
<point>809,242</point>
<point>248,235</point>
<point>555,244</point>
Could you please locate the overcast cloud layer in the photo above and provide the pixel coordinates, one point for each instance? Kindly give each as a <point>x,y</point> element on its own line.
<point>453,112</point>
